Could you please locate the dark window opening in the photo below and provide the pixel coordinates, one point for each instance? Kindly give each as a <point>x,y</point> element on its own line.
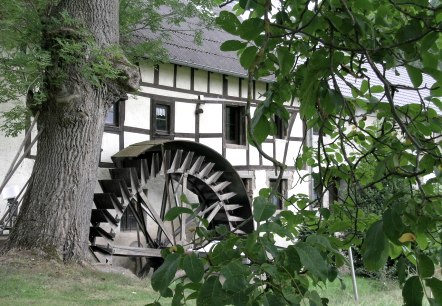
<point>235,125</point>
<point>128,221</point>
<point>112,116</point>
<point>279,198</point>
<point>281,128</point>
<point>162,120</point>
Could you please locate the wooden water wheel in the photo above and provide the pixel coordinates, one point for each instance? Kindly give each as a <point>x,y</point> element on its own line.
<point>149,179</point>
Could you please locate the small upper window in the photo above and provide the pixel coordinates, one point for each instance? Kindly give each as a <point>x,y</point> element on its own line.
<point>162,118</point>
<point>278,199</point>
<point>281,128</point>
<point>235,131</point>
<point>112,116</point>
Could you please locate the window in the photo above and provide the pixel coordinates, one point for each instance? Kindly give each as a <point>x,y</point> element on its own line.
<point>162,120</point>
<point>248,184</point>
<point>112,116</point>
<point>128,221</point>
<point>235,131</point>
<point>281,128</point>
<point>281,190</point>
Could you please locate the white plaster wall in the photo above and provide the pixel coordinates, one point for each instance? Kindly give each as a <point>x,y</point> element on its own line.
<point>211,120</point>
<point>110,145</point>
<point>293,152</point>
<point>137,113</point>
<point>297,129</point>
<point>183,77</point>
<point>280,148</point>
<point>299,187</point>
<point>167,93</point>
<point>200,79</point>
<point>213,143</point>
<point>237,157</point>
<point>216,83</point>
<point>166,75</point>
<point>233,86</point>
<point>268,149</point>
<point>147,72</point>
<point>244,88</point>
<point>254,156</point>
<point>260,181</point>
<point>130,138</point>
<point>184,138</point>
<point>184,117</point>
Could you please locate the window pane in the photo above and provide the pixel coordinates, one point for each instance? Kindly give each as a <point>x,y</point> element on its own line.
<point>281,128</point>
<point>162,118</point>
<point>233,128</point>
<point>112,115</point>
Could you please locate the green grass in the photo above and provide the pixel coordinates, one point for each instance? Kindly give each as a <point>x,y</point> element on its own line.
<point>371,292</point>
<point>27,280</point>
<point>24,281</point>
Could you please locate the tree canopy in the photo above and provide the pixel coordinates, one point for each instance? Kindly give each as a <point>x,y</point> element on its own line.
<point>366,77</point>
<point>336,59</point>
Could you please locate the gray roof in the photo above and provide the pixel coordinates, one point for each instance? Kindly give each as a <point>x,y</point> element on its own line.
<point>182,50</point>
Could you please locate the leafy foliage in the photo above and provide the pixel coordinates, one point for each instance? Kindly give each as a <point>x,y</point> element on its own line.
<point>337,61</point>
<point>33,43</point>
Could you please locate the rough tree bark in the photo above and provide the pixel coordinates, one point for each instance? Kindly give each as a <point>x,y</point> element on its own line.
<point>55,213</point>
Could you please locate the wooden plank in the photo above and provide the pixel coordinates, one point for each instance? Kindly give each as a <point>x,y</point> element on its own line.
<point>134,251</point>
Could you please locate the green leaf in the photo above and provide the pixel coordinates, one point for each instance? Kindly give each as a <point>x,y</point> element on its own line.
<point>176,211</point>
<point>392,225</point>
<point>314,298</point>
<point>271,299</point>
<point>162,277</point>
<point>248,56</point>
<point>379,171</point>
<point>232,45</point>
<point>375,247</point>
<point>194,267</point>
<point>436,288</point>
<point>312,260</point>
<point>211,293</point>
<point>286,60</point>
<point>364,86</point>
<point>260,128</point>
<point>228,22</point>
<point>425,266</point>
<point>415,75</point>
<point>224,252</point>
<point>262,209</point>
<point>288,259</point>
<point>401,268</point>
<point>251,28</point>
<point>236,274</point>
<point>413,292</point>
<point>377,89</point>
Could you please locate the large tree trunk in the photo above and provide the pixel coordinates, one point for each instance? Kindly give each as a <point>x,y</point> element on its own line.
<point>56,210</point>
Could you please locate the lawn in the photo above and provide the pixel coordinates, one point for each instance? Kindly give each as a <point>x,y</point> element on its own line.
<point>25,280</point>
<point>371,292</point>
<point>30,280</point>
